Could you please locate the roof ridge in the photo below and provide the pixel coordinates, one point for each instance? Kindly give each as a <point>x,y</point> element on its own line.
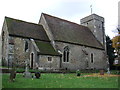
<point>22,21</point>
<point>64,20</point>
<point>25,29</point>
<point>78,25</point>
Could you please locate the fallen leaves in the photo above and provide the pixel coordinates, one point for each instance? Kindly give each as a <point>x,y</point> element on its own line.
<point>98,75</point>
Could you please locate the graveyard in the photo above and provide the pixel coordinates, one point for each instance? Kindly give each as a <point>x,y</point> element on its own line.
<point>29,78</point>
<point>61,80</point>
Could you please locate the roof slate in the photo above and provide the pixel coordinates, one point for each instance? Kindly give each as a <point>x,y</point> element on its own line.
<point>46,48</point>
<point>25,29</point>
<point>67,31</point>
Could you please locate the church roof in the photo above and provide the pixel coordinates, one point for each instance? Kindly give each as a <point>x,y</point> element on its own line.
<point>46,48</point>
<point>25,29</point>
<point>66,31</point>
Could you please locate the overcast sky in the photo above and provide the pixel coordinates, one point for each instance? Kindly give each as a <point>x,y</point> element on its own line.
<point>72,10</point>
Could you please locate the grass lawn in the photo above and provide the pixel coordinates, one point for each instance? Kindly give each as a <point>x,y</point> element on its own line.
<point>52,80</point>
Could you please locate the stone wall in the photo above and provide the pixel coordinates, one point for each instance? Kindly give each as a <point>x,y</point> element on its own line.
<point>78,58</point>
<point>5,44</point>
<point>33,50</point>
<point>49,65</point>
<point>13,50</point>
<point>19,51</point>
<point>21,55</point>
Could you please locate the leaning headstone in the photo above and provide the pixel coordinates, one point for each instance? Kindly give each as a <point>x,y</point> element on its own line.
<point>101,72</point>
<point>108,70</point>
<point>12,75</point>
<point>27,74</point>
<point>78,72</point>
<point>37,75</point>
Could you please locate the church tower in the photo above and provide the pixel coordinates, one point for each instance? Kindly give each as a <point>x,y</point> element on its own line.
<point>96,25</point>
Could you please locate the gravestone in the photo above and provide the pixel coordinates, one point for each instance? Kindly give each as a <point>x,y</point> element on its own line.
<point>78,72</point>
<point>37,75</point>
<point>108,70</point>
<point>101,72</point>
<point>12,75</point>
<point>27,74</point>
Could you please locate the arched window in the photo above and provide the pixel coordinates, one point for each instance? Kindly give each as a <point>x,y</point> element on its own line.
<point>92,57</point>
<point>66,54</point>
<point>26,46</point>
<point>31,60</point>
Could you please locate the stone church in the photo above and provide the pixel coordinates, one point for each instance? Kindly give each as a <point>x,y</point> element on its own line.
<point>54,43</point>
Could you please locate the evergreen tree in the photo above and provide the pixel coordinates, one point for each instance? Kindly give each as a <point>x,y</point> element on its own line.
<point>110,52</point>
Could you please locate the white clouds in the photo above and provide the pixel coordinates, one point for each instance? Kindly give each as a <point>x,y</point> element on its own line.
<point>72,10</point>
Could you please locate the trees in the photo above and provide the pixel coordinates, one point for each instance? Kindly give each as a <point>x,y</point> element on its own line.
<point>116,45</point>
<point>110,52</point>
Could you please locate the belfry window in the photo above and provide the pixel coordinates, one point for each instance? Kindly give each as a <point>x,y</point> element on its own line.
<point>66,54</point>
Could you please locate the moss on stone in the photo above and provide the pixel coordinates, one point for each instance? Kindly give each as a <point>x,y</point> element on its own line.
<point>46,48</point>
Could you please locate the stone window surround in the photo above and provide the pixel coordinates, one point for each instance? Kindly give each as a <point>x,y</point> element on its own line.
<point>25,46</point>
<point>31,58</point>
<point>66,54</point>
<point>92,57</point>
<point>50,59</point>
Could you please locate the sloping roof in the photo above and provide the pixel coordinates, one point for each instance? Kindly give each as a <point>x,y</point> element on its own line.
<point>67,31</point>
<point>46,48</point>
<point>25,29</point>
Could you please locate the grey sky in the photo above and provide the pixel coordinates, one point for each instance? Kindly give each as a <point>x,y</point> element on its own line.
<point>72,10</point>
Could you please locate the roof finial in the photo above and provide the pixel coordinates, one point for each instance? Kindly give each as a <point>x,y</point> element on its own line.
<point>91,8</point>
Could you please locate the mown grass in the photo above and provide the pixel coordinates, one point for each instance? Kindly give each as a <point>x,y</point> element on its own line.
<point>52,80</point>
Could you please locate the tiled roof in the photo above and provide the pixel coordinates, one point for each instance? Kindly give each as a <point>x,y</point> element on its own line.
<point>46,48</point>
<point>25,29</point>
<point>70,32</point>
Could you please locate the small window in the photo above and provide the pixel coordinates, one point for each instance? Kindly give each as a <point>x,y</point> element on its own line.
<point>92,57</point>
<point>49,59</point>
<point>26,46</point>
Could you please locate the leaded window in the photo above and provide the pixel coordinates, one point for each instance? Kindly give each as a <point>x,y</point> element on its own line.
<point>66,54</point>
<point>26,46</point>
<point>92,57</point>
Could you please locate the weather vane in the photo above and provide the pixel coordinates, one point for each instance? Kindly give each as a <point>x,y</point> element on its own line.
<point>91,8</point>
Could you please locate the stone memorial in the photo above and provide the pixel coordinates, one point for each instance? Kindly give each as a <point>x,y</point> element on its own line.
<point>108,70</point>
<point>37,75</point>
<point>27,74</point>
<point>102,72</point>
<point>78,72</point>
